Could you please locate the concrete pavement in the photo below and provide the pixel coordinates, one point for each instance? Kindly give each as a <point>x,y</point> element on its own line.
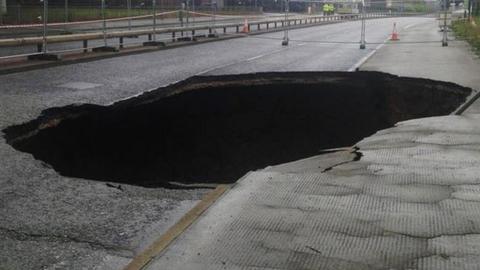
<point>410,202</point>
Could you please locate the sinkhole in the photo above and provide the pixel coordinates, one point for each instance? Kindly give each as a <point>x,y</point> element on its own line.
<point>214,129</point>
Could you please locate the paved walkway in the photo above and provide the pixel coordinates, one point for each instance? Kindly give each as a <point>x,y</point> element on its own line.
<point>411,201</point>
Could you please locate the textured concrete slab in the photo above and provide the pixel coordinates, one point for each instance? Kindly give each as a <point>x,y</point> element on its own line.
<point>410,202</point>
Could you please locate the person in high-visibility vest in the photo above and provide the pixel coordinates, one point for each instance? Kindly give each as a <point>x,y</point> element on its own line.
<point>325,9</point>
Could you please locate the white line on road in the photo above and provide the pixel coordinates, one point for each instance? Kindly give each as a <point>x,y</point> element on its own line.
<point>243,60</point>
<point>256,57</point>
<point>211,69</point>
<point>141,93</point>
<point>366,57</point>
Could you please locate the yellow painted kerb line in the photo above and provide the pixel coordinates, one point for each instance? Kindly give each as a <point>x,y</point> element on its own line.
<point>142,259</point>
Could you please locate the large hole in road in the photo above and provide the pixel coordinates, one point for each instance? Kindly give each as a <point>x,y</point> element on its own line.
<point>214,129</point>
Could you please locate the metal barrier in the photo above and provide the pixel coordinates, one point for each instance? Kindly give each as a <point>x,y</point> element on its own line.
<point>262,25</point>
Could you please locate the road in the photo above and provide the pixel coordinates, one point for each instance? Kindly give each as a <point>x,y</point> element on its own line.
<point>49,221</point>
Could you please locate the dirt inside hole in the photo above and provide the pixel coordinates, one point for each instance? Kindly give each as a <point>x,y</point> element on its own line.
<point>215,129</point>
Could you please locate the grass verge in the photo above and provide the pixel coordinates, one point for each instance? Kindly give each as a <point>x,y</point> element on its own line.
<point>470,31</point>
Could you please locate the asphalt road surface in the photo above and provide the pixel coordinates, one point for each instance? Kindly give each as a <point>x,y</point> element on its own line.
<point>48,221</point>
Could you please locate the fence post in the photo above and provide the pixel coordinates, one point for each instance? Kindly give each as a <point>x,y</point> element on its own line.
<point>105,47</point>
<point>104,24</point>
<point>193,13</point>
<point>362,34</point>
<point>42,48</point>
<point>66,14</point>
<point>213,10</point>
<point>154,7</point>
<point>187,14</point>
<point>129,14</point>
<point>45,30</point>
<point>285,33</point>
<point>3,10</point>
<point>153,35</point>
<point>445,30</point>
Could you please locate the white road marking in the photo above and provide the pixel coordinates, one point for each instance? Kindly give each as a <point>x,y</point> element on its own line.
<point>210,69</point>
<point>255,57</point>
<point>366,57</point>
<point>244,60</point>
<point>141,93</point>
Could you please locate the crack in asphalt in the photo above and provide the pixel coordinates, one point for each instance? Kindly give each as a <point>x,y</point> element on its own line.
<point>25,236</point>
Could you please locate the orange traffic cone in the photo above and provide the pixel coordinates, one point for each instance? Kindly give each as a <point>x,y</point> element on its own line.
<point>394,33</point>
<point>245,29</point>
